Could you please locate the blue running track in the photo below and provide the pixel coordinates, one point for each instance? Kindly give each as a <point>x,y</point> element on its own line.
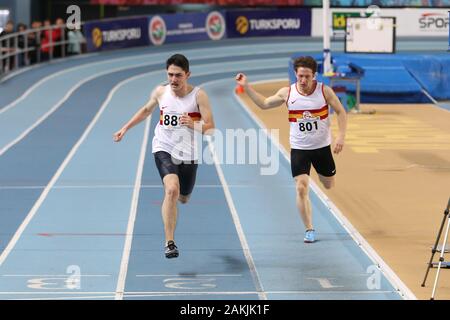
<point>80,215</point>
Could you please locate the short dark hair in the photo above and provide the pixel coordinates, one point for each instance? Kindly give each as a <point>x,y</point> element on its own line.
<point>305,62</point>
<point>21,25</point>
<point>178,60</point>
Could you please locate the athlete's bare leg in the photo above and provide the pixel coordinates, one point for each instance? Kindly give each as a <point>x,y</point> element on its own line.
<point>303,202</point>
<point>169,206</point>
<point>327,182</point>
<point>184,199</point>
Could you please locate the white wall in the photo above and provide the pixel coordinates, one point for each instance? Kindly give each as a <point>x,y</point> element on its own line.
<point>4,17</point>
<point>410,22</point>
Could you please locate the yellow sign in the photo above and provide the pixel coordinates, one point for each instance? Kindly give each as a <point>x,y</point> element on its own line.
<point>339,22</point>
<point>97,37</point>
<point>242,24</point>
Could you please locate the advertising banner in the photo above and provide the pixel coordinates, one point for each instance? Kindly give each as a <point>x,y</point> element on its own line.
<point>410,22</point>
<point>210,2</point>
<point>116,34</point>
<point>263,23</point>
<point>186,27</point>
<point>291,3</point>
<point>423,22</point>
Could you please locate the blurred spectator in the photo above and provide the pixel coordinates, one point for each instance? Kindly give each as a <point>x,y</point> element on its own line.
<point>8,46</point>
<point>47,41</point>
<point>34,41</point>
<point>76,42</point>
<point>59,35</point>
<point>9,28</point>
<point>21,43</point>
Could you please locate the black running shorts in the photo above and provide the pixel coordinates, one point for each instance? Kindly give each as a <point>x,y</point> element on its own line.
<point>186,171</point>
<point>321,159</point>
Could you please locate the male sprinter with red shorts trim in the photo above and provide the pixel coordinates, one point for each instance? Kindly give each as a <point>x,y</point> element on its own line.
<point>310,136</point>
<point>174,146</point>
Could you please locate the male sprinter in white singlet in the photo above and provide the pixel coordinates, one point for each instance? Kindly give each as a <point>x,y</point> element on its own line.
<point>310,136</point>
<point>174,146</point>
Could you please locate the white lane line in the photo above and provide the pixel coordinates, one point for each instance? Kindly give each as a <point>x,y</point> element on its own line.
<point>69,298</point>
<point>248,256</point>
<point>54,275</point>
<point>189,275</point>
<point>66,161</point>
<point>168,293</point>
<point>115,61</point>
<point>390,275</point>
<point>132,216</point>
<point>80,83</point>
<point>18,72</point>
<point>39,83</point>
<point>25,69</point>
<point>132,186</point>
<point>59,104</point>
<point>52,292</point>
<point>133,211</point>
<point>64,71</point>
<point>242,238</point>
<point>60,170</point>
<point>435,102</point>
<point>240,50</point>
<point>271,80</point>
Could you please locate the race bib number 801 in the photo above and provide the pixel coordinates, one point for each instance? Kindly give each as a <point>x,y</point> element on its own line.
<point>308,126</point>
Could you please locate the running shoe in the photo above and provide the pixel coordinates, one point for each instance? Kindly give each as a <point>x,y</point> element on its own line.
<point>171,250</point>
<point>310,236</point>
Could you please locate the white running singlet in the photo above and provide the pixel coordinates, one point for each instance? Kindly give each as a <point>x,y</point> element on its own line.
<point>308,118</point>
<point>170,135</point>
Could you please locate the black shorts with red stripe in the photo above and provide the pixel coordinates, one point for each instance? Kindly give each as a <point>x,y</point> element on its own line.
<point>321,159</point>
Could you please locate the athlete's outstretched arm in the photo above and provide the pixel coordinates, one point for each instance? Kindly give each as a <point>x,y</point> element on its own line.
<point>264,103</point>
<point>139,116</point>
<point>334,102</point>
<point>205,111</point>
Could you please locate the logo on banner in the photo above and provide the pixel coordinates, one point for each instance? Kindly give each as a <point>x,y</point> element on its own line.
<point>338,19</point>
<point>157,30</point>
<point>215,25</point>
<point>242,25</point>
<point>436,21</point>
<point>97,37</point>
<point>373,21</point>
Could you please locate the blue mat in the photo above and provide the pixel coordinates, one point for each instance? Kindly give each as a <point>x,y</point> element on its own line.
<point>432,72</point>
<point>396,78</point>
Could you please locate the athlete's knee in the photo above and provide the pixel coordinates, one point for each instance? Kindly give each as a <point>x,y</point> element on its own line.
<point>183,199</point>
<point>172,191</point>
<point>328,183</point>
<point>302,188</point>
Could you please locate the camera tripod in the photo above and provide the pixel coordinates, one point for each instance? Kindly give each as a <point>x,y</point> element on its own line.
<point>441,249</point>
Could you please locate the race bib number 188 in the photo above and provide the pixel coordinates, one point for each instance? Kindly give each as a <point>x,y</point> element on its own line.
<point>171,120</point>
